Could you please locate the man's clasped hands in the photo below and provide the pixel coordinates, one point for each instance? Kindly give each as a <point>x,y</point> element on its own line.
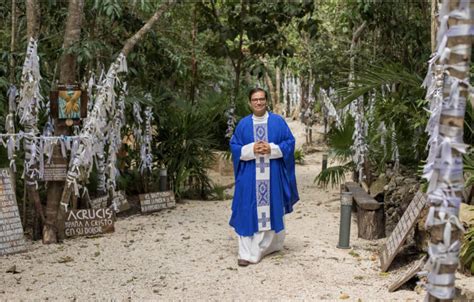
<point>261,147</point>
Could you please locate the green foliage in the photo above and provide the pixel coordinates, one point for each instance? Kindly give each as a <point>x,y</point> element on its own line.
<point>339,140</point>
<point>218,193</point>
<point>299,156</point>
<point>466,254</point>
<point>184,144</point>
<point>377,77</point>
<point>334,175</point>
<point>468,161</point>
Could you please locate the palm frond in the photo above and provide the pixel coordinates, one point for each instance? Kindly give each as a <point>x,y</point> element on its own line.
<point>373,77</point>
<point>466,254</point>
<point>333,175</point>
<point>340,140</point>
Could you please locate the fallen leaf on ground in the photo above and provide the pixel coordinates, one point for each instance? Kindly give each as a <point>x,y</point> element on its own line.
<point>344,296</point>
<point>65,259</point>
<point>354,254</point>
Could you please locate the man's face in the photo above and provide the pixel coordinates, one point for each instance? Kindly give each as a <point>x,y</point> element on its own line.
<point>258,103</point>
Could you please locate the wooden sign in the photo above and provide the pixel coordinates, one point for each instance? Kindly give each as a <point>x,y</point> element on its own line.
<point>68,104</point>
<point>394,243</point>
<point>89,222</point>
<point>410,273</point>
<point>11,229</point>
<point>55,172</point>
<point>152,202</point>
<point>120,202</point>
<point>99,202</point>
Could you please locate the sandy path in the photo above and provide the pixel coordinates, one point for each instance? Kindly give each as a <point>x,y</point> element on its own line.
<point>190,253</point>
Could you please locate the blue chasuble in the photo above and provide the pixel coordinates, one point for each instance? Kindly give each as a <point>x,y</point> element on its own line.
<point>281,184</point>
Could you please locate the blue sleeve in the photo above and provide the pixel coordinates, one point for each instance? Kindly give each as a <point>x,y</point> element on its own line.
<point>236,145</point>
<point>287,147</point>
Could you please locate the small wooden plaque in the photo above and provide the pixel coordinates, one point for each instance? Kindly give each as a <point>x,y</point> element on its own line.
<point>120,202</point>
<point>11,230</point>
<point>156,201</point>
<point>55,172</point>
<point>394,243</point>
<point>87,222</point>
<point>99,202</point>
<point>410,273</point>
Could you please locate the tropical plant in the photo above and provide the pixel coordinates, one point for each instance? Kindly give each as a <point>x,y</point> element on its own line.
<point>466,254</point>
<point>184,143</point>
<point>299,156</point>
<point>339,142</point>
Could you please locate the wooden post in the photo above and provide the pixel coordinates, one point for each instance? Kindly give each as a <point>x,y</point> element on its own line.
<point>451,125</point>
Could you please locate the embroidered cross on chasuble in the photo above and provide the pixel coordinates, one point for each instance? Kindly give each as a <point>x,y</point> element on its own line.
<point>262,177</point>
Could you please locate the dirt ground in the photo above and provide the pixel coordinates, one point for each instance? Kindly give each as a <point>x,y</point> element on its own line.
<point>190,253</point>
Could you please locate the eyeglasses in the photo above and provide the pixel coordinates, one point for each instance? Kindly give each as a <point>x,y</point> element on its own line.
<point>261,100</point>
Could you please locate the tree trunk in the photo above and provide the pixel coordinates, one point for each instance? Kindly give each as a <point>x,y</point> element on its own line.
<point>131,42</point>
<point>434,24</point>
<point>192,93</point>
<point>30,126</point>
<point>12,44</point>
<point>446,185</point>
<point>53,229</point>
<point>277,105</point>
<point>238,70</point>
<point>32,24</point>
<point>355,38</point>
<point>268,81</point>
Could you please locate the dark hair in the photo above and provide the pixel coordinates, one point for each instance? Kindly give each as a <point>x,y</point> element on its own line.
<point>256,89</point>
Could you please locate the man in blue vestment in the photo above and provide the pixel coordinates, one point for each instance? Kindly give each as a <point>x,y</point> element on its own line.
<point>265,184</point>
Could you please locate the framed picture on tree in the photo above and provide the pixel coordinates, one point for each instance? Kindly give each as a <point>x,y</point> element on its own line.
<point>68,104</point>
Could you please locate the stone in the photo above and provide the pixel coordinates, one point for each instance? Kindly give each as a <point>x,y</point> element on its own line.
<point>466,214</point>
<point>392,185</point>
<point>410,181</point>
<point>399,180</point>
<point>12,270</point>
<point>378,186</point>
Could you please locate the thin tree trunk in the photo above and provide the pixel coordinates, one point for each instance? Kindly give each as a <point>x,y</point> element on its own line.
<point>192,93</point>
<point>10,120</point>
<point>449,184</point>
<point>355,38</point>
<point>237,69</point>
<point>238,66</point>
<point>131,42</point>
<point>13,43</point>
<point>277,100</point>
<point>30,126</point>
<point>434,24</point>
<point>268,81</point>
<point>53,229</point>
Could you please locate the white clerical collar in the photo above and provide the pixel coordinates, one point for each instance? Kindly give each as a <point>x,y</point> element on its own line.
<point>260,119</point>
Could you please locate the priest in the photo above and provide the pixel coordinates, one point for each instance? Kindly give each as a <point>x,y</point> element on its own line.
<point>265,184</point>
